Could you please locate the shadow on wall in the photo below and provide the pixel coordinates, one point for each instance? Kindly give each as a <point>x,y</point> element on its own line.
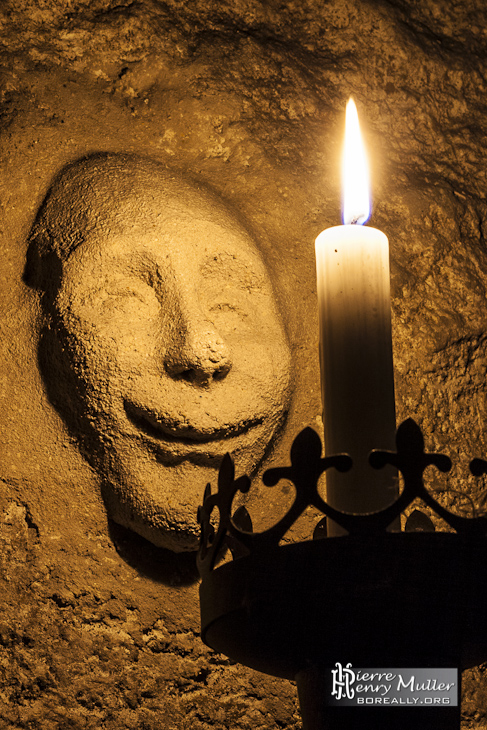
<point>161,345</point>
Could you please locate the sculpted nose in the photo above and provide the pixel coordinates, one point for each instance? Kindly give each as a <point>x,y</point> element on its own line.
<point>198,355</point>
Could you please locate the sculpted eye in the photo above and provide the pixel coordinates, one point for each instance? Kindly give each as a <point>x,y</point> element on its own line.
<point>118,296</point>
<point>121,291</point>
<point>138,292</point>
<point>224,307</point>
<point>228,314</point>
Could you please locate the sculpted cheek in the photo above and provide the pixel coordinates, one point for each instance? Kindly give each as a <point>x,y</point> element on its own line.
<point>112,334</point>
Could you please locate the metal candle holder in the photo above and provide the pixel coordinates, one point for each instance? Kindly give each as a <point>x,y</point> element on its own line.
<point>374,598</point>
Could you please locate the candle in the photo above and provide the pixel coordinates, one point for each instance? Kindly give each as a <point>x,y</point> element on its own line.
<point>357,376</point>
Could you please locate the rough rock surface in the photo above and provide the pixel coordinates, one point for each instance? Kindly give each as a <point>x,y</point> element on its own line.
<point>97,627</point>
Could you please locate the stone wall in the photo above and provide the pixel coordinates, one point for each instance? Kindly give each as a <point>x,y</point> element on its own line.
<point>98,627</point>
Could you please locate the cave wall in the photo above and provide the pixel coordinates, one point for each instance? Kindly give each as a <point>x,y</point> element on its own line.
<point>98,627</point>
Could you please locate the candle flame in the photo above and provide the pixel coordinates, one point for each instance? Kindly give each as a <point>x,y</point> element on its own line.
<point>355,171</point>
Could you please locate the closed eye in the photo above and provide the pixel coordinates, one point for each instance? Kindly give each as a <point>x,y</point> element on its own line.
<point>140,293</point>
<point>223,307</point>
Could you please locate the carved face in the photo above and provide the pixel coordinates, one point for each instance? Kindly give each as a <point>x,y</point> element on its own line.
<point>171,331</point>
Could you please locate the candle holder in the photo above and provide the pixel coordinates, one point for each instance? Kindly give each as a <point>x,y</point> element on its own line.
<point>373,598</point>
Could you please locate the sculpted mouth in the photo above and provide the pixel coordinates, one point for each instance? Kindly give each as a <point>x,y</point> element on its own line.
<point>174,432</point>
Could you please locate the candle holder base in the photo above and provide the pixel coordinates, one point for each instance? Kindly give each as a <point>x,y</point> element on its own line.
<point>371,598</point>
<point>398,599</point>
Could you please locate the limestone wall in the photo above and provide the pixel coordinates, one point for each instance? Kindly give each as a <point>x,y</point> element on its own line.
<point>98,627</point>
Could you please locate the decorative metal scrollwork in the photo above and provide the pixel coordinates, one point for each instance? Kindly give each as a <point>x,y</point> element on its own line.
<point>307,465</point>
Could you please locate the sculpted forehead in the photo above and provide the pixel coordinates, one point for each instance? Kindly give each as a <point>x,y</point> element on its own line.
<point>115,194</point>
<point>190,242</point>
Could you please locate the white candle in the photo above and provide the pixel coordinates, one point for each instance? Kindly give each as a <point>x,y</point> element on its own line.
<point>355,343</point>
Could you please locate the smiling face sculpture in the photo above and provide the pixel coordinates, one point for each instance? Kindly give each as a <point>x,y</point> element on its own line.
<point>164,347</point>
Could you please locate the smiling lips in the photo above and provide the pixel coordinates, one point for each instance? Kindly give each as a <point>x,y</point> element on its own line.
<point>179,439</point>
